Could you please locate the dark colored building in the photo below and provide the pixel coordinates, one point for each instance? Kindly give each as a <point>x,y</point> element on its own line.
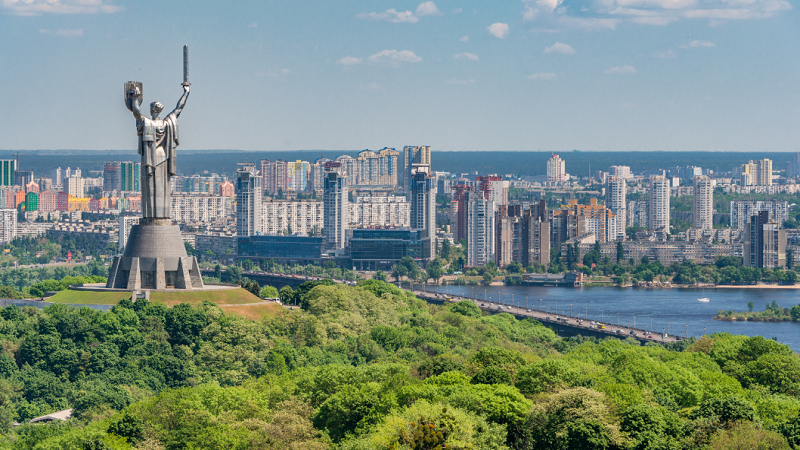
<point>112,176</point>
<point>299,249</point>
<point>381,249</point>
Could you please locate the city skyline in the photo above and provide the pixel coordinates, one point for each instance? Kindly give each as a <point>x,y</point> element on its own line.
<point>546,75</point>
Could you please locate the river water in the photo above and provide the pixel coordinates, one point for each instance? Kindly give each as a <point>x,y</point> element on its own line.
<point>676,309</point>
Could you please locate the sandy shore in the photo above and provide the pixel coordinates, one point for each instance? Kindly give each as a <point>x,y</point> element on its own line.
<point>760,286</point>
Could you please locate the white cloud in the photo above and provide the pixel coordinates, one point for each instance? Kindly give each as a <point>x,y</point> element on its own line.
<point>458,10</point>
<point>349,61</point>
<point>38,7</point>
<point>64,33</point>
<point>253,25</point>
<point>465,55</point>
<point>607,14</point>
<point>542,76</point>
<point>274,73</point>
<point>461,82</point>
<point>590,24</point>
<point>621,70</point>
<point>664,54</point>
<point>390,15</point>
<point>698,44</point>
<point>558,47</point>
<point>464,38</point>
<point>394,57</point>
<point>427,9</point>
<point>498,30</point>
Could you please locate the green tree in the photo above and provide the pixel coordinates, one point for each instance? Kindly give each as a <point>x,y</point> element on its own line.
<point>380,276</point>
<point>620,252</point>
<point>129,427</point>
<point>750,305</point>
<point>268,292</point>
<point>488,278</point>
<point>467,308</point>
<point>286,295</point>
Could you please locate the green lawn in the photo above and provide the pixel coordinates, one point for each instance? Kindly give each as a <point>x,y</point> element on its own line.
<point>88,297</point>
<point>221,297</point>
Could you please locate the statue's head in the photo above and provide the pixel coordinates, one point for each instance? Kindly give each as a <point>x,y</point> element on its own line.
<point>155,109</point>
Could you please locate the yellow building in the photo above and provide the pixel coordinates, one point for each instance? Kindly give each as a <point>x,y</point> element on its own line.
<point>78,203</point>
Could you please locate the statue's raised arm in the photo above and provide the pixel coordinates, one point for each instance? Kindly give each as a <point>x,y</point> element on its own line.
<point>182,101</point>
<point>133,98</point>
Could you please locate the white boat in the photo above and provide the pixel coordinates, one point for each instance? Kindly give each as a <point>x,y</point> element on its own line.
<point>703,300</point>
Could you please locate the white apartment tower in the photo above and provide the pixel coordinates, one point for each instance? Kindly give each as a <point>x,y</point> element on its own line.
<point>623,172</point>
<point>658,211</point>
<point>702,209</point>
<point>8,225</point>
<point>248,200</point>
<point>556,171</point>
<point>125,225</point>
<point>335,205</point>
<point>423,203</point>
<point>74,185</point>
<point>480,230</point>
<point>616,191</point>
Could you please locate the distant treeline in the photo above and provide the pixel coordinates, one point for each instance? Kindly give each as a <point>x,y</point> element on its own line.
<point>502,162</point>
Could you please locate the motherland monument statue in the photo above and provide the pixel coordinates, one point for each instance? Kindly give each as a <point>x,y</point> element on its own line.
<point>155,257</point>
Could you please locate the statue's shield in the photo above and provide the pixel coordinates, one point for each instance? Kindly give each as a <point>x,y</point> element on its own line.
<point>133,89</point>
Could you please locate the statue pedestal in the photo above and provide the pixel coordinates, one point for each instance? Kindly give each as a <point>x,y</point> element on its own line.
<point>155,259</point>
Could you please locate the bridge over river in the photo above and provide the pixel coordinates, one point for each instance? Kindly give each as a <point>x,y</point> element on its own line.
<point>563,325</point>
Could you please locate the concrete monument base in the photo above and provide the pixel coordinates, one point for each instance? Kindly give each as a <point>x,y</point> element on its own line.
<point>155,258</point>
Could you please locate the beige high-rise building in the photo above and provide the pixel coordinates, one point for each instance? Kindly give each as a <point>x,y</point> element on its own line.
<point>758,173</point>
<point>420,154</point>
<point>616,191</point>
<point>73,185</point>
<point>703,207</point>
<point>764,172</point>
<point>658,211</point>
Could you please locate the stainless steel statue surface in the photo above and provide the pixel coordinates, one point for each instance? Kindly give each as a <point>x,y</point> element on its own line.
<point>158,144</point>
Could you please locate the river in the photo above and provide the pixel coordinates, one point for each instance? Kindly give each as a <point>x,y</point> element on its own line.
<point>676,309</point>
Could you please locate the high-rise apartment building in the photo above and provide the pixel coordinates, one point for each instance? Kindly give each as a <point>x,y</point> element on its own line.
<point>22,177</point>
<point>764,172</point>
<point>743,210</point>
<point>757,173</point>
<point>494,189</point>
<point>420,154</point>
<point>112,176</point>
<point>658,211</point>
<point>522,235</point>
<point>73,185</point>
<point>591,218</point>
<point>297,176</point>
<point>623,172</point>
<point>793,166</point>
<point>394,211</point>
<point>125,225</point>
<point>377,168</point>
<point>275,176</point>
<point>57,175</point>
<point>295,217</point>
<point>316,174</point>
<point>188,208</point>
<point>703,204</point>
<point>248,200</point>
<point>764,242</point>
<point>7,169</point>
<point>480,230</point>
<point>556,170</point>
<point>458,211</point>
<point>8,225</point>
<point>423,203</point>
<point>335,206</point>
<point>47,201</point>
<point>226,189</point>
<point>129,176</point>
<point>616,192</point>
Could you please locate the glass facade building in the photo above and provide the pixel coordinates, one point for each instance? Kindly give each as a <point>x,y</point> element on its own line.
<point>381,249</point>
<point>300,249</point>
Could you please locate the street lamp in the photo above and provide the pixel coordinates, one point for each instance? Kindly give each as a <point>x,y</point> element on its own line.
<point>634,321</point>
<point>570,309</point>
<point>617,319</point>
<point>526,302</point>
<point>540,304</point>
<point>667,327</point>
<point>587,312</point>
<point>601,316</point>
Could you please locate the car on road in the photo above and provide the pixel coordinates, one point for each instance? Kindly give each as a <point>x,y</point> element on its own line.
<point>618,331</point>
<point>632,333</point>
<point>603,327</point>
<point>527,310</point>
<point>482,304</point>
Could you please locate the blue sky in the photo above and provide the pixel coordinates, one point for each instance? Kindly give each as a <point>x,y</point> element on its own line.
<point>550,75</point>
